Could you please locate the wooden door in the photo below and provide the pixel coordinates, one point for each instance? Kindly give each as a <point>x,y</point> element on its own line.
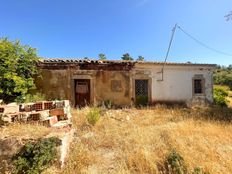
<point>82,92</point>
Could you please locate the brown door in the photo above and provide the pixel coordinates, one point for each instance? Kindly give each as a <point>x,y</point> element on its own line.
<point>82,92</point>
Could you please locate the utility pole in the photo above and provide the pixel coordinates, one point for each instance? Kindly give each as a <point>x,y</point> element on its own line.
<point>169,47</point>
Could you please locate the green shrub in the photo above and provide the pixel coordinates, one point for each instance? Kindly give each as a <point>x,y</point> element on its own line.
<point>93,116</point>
<point>141,100</point>
<point>35,157</point>
<point>34,97</point>
<point>220,94</point>
<point>198,170</point>
<point>106,104</point>
<point>176,161</point>
<point>223,76</point>
<point>28,98</point>
<point>174,164</point>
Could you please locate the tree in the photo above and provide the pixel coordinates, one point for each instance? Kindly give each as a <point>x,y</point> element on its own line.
<point>140,58</point>
<point>230,67</point>
<point>17,70</point>
<point>126,56</point>
<point>101,56</point>
<point>223,76</point>
<point>229,16</point>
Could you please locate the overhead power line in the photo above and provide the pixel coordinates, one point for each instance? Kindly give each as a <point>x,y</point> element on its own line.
<point>203,44</point>
<point>193,38</point>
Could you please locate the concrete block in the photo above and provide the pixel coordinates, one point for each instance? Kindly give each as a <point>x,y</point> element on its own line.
<point>59,104</point>
<point>66,103</point>
<point>21,108</point>
<point>10,108</point>
<point>44,114</point>
<point>50,121</point>
<point>29,107</point>
<point>62,117</point>
<point>67,111</point>
<point>34,116</point>
<point>38,106</point>
<point>1,121</point>
<point>23,117</point>
<point>5,119</point>
<point>15,117</point>
<point>48,105</point>
<point>53,120</point>
<point>55,112</point>
<point>2,109</point>
<point>9,118</point>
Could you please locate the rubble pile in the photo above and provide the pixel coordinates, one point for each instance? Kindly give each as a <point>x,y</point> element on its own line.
<point>48,113</point>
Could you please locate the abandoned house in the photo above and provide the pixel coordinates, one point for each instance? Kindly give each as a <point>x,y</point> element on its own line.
<point>123,83</point>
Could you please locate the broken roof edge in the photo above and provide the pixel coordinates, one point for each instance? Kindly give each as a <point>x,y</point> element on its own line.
<point>72,60</point>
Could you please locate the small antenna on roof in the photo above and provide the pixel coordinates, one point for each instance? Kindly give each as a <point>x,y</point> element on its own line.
<point>169,47</point>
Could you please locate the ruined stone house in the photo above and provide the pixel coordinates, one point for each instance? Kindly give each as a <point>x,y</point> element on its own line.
<point>123,83</point>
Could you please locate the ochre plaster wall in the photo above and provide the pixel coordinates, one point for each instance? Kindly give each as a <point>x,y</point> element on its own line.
<point>59,84</point>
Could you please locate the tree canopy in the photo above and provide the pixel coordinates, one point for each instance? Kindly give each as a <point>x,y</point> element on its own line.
<point>223,76</point>
<point>101,56</point>
<point>126,56</point>
<point>17,69</point>
<point>140,58</point>
<point>229,16</point>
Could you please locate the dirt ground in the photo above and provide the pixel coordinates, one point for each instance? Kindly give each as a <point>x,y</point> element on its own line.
<point>138,141</point>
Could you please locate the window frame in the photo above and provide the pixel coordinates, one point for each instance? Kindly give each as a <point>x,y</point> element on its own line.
<point>202,79</point>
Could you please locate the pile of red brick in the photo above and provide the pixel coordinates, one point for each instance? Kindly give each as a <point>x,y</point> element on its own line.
<point>47,113</point>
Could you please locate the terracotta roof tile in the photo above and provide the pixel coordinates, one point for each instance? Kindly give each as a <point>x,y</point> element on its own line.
<point>80,61</point>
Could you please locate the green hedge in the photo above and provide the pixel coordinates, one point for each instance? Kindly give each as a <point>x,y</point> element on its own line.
<point>35,157</point>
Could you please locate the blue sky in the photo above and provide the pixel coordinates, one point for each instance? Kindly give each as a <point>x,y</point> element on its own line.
<point>85,28</point>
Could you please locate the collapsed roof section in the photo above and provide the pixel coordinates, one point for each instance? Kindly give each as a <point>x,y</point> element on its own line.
<point>90,64</point>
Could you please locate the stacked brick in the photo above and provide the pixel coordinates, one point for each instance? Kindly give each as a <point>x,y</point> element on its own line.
<point>47,113</point>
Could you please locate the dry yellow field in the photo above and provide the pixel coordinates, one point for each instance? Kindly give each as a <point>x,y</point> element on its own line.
<point>138,140</point>
<point>24,131</point>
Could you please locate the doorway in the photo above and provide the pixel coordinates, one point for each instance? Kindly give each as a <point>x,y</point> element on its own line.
<point>82,92</point>
<point>141,92</point>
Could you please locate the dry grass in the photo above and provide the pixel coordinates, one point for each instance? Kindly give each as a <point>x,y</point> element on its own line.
<point>26,131</point>
<point>137,141</point>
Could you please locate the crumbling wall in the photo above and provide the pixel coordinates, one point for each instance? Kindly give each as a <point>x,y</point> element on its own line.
<point>55,84</point>
<point>114,87</point>
<point>108,82</point>
<point>114,81</point>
